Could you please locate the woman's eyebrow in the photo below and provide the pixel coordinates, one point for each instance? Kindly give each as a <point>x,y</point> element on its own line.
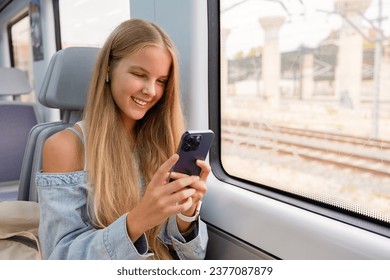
<point>139,68</point>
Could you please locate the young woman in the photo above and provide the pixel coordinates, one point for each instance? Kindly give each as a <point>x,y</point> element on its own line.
<point>104,191</point>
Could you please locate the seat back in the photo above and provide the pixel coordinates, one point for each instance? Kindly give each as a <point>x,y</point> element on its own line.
<point>64,87</point>
<point>16,120</point>
<point>13,82</point>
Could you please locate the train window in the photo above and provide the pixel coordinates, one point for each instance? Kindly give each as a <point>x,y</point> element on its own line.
<point>305,99</point>
<point>20,48</point>
<point>88,22</point>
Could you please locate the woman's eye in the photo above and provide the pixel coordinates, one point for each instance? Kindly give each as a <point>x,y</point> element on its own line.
<point>139,75</point>
<point>162,82</point>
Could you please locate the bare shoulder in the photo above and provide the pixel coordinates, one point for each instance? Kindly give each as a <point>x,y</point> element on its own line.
<point>62,152</point>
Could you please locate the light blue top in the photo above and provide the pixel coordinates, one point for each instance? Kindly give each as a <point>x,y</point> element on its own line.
<point>66,231</point>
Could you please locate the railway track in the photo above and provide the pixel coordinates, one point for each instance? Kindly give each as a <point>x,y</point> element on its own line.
<point>344,151</point>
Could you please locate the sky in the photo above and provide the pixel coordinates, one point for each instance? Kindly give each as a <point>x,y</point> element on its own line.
<point>307,22</point>
<point>81,24</point>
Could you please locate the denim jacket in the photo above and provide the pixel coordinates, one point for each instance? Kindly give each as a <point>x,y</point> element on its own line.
<point>66,231</point>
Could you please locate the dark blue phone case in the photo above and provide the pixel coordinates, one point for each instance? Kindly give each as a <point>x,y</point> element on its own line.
<point>194,145</point>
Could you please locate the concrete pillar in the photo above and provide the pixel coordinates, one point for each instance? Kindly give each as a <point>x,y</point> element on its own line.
<point>348,78</point>
<point>271,58</point>
<point>385,75</point>
<point>307,76</point>
<point>224,70</point>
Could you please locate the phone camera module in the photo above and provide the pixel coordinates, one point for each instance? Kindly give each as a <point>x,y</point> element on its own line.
<point>192,142</point>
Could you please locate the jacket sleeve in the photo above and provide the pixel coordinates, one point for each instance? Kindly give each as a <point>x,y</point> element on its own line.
<point>66,232</point>
<point>193,249</point>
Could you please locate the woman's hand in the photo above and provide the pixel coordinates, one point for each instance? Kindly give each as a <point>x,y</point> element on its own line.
<point>163,199</point>
<point>200,190</point>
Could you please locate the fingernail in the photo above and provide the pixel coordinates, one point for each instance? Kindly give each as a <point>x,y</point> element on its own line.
<point>174,156</point>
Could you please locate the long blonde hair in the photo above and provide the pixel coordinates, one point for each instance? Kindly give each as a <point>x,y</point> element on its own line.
<point>117,160</point>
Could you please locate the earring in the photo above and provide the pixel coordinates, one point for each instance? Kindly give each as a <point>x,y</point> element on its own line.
<point>107,78</point>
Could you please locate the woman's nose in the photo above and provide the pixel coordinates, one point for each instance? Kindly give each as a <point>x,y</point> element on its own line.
<point>150,89</point>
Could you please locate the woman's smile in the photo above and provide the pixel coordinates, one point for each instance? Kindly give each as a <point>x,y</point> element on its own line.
<point>139,102</point>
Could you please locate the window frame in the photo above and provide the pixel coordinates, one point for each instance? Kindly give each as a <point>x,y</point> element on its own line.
<point>9,34</point>
<point>57,24</point>
<point>214,87</point>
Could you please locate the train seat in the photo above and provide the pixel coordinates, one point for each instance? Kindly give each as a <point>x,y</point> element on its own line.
<point>13,82</point>
<point>16,120</point>
<point>64,87</point>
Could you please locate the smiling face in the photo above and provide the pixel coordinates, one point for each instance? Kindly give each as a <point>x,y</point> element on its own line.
<point>138,82</point>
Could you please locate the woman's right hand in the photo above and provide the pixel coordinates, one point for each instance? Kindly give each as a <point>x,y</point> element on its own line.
<point>161,200</point>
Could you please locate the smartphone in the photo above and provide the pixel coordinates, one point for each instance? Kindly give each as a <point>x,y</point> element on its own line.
<point>194,145</point>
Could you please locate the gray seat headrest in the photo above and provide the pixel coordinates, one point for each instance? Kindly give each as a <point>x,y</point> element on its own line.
<point>13,81</point>
<point>67,78</point>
